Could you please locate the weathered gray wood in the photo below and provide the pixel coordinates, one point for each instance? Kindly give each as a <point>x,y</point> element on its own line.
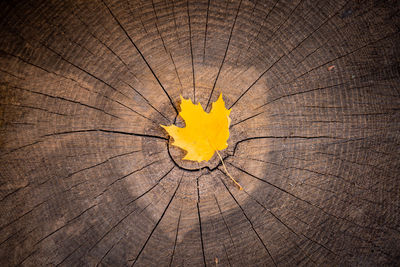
<point>88,177</point>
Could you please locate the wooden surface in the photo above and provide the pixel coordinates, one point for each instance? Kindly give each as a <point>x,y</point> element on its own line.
<point>88,178</point>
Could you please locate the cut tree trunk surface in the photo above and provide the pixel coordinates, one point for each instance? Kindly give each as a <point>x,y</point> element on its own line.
<point>88,176</point>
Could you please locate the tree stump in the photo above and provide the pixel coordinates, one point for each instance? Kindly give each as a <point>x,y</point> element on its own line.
<point>88,176</point>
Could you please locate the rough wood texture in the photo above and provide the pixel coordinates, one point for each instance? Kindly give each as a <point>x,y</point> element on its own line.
<point>88,178</point>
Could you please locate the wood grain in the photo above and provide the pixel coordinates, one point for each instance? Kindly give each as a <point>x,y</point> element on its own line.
<point>87,174</point>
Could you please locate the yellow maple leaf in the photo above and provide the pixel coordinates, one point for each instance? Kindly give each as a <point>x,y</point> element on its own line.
<point>204,133</point>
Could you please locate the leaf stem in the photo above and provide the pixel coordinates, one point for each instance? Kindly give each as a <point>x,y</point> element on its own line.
<point>230,176</point>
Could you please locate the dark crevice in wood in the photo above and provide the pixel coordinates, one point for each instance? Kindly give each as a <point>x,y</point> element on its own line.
<point>281,24</point>
<point>158,222</point>
<point>142,56</point>
<point>198,188</point>
<point>36,108</point>
<point>321,245</point>
<point>174,17</point>
<point>21,147</point>
<point>9,73</point>
<point>179,166</point>
<point>350,24</point>
<point>176,70</point>
<point>282,137</point>
<point>302,200</point>
<point>66,224</point>
<point>194,169</point>
<point>176,237</point>
<point>226,254</point>
<point>201,234</point>
<point>27,62</point>
<point>93,76</point>
<point>141,11</point>
<point>226,52</point>
<point>336,58</point>
<point>320,26</point>
<point>106,131</point>
<point>290,229</point>
<point>304,92</point>
<point>11,236</point>
<point>151,188</point>
<point>286,19</point>
<point>14,191</point>
<point>141,115</point>
<point>348,181</point>
<point>205,31</point>
<point>28,256</point>
<point>252,11</point>
<point>96,165</point>
<point>147,101</point>
<point>62,31</point>
<point>103,43</point>
<point>108,251</point>
<point>251,85</point>
<point>129,174</point>
<point>250,222</point>
<point>114,226</point>
<point>21,123</point>
<point>392,258</point>
<point>227,227</point>
<point>69,255</point>
<point>72,64</point>
<point>353,162</point>
<point>191,52</point>
<point>165,47</point>
<point>248,118</point>
<point>199,218</point>
<point>73,80</point>
<point>88,168</point>
<point>124,63</point>
<point>258,32</point>
<point>23,215</point>
<point>65,99</point>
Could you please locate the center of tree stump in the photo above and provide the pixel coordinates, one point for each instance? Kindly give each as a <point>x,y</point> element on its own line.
<point>177,155</point>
